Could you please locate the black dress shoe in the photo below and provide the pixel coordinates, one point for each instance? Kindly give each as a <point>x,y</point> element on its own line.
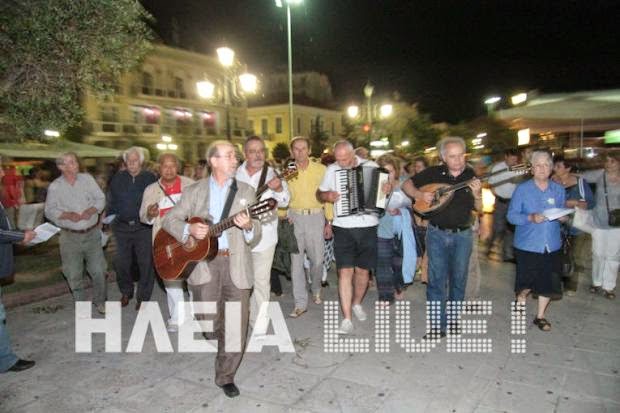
<point>22,365</point>
<point>230,390</point>
<point>124,301</point>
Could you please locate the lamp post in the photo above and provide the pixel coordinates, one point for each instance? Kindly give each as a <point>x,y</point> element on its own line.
<point>290,60</point>
<point>384,111</point>
<point>247,81</point>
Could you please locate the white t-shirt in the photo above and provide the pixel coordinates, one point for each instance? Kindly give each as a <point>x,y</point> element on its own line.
<point>329,184</point>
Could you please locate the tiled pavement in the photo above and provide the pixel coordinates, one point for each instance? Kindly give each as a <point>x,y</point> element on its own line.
<point>573,368</point>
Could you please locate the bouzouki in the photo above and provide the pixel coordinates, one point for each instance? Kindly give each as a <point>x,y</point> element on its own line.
<point>175,260</point>
<point>290,173</point>
<point>443,193</point>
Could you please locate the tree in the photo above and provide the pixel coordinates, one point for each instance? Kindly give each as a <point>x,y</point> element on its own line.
<point>52,51</point>
<point>497,138</point>
<point>280,152</point>
<point>318,138</point>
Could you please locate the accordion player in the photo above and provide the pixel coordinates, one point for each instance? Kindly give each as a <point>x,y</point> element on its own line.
<point>360,190</point>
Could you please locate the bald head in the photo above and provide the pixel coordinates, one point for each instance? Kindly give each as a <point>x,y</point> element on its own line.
<point>344,154</point>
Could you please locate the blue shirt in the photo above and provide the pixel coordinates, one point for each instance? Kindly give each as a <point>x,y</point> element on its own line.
<point>125,194</point>
<point>217,199</point>
<point>529,199</point>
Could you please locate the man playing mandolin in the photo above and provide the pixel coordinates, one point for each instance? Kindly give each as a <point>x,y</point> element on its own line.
<point>229,275</point>
<point>449,235</point>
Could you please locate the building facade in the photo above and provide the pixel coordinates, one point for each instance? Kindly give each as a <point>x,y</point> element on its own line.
<point>161,100</point>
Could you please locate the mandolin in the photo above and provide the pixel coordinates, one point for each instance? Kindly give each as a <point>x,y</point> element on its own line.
<point>443,193</point>
<point>175,260</point>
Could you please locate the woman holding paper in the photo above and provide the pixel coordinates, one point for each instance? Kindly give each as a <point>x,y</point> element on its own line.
<point>537,240</point>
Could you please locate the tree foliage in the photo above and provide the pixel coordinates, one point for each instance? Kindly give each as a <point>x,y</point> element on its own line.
<point>280,152</point>
<point>318,138</point>
<point>498,136</point>
<point>52,51</point>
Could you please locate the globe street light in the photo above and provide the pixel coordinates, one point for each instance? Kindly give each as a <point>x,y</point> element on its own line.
<point>353,111</point>
<point>290,60</point>
<point>385,110</point>
<point>247,81</point>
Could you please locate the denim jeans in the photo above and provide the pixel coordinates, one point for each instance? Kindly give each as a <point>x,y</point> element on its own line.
<point>7,357</point>
<point>448,262</point>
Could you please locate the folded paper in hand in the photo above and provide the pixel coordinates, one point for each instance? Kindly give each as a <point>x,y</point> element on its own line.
<point>44,232</point>
<point>554,213</point>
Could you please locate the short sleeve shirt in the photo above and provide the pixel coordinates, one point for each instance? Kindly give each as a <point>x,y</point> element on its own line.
<point>457,213</point>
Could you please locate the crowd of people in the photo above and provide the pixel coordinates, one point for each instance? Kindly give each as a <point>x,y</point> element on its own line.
<point>307,233</point>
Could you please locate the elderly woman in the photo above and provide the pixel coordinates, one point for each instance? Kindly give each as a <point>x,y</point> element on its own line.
<point>537,240</point>
<point>606,238</point>
<point>578,194</point>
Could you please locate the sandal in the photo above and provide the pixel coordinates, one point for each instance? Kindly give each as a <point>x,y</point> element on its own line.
<point>542,324</point>
<point>610,295</point>
<point>595,289</point>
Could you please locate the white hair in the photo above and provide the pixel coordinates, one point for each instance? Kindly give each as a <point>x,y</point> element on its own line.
<point>134,149</point>
<point>538,154</point>
<point>345,144</point>
<point>61,159</point>
<point>447,141</point>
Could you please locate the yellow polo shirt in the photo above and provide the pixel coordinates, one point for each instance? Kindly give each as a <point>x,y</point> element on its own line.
<point>303,189</point>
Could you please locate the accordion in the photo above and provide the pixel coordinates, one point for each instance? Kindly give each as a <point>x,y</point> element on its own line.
<point>360,190</point>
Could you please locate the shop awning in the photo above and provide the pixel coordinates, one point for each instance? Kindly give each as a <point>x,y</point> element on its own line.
<point>35,150</point>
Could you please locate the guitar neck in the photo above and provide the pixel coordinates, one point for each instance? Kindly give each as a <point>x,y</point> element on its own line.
<point>221,226</point>
<point>463,184</point>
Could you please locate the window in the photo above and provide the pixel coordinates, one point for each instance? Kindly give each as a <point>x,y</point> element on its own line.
<point>278,125</point>
<point>263,127</point>
<point>299,126</point>
<point>250,125</point>
<point>147,83</point>
<point>178,88</point>
<point>109,114</point>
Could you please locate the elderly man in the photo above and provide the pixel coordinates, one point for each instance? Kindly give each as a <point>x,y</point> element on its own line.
<point>228,276</point>
<point>355,239</point>
<point>503,185</point>
<point>308,215</point>
<point>256,173</point>
<point>159,198</point>
<point>449,234</point>
<point>133,238</point>
<point>8,236</point>
<point>74,202</point>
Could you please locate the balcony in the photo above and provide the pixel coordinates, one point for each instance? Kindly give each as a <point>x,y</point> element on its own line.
<point>102,128</point>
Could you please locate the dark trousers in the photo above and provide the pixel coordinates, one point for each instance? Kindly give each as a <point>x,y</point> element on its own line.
<point>221,289</point>
<point>389,269</point>
<point>134,242</point>
<point>502,230</point>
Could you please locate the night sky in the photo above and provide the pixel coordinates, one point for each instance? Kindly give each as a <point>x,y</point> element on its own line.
<point>445,55</point>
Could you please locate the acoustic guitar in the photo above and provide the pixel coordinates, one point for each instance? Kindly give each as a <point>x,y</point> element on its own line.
<point>175,260</point>
<point>443,193</point>
<point>290,173</point>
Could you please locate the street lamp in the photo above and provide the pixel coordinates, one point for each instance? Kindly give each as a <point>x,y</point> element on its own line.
<point>368,89</point>
<point>385,110</point>
<point>353,111</point>
<point>491,102</point>
<point>518,98</point>
<point>290,59</point>
<point>247,81</point>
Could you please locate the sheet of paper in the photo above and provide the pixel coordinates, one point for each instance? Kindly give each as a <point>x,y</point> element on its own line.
<point>44,232</point>
<point>108,220</point>
<point>554,213</point>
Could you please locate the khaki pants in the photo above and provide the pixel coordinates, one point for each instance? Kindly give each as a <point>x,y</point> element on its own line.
<point>77,249</point>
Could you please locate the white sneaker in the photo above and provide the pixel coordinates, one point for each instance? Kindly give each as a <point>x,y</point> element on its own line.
<point>346,327</point>
<point>359,312</point>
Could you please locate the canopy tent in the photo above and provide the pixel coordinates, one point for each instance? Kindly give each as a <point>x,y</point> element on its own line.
<point>581,105</point>
<point>35,150</point>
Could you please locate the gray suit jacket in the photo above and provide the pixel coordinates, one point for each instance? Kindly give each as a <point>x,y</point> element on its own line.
<point>195,203</point>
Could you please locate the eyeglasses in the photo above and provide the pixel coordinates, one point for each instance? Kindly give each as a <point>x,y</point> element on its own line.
<point>228,156</point>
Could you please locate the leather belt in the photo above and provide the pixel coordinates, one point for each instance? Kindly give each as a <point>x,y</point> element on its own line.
<point>223,253</point>
<point>453,230</point>
<point>306,211</point>
<point>81,231</point>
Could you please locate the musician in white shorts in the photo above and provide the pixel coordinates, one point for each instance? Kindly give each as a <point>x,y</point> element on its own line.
<point>355,239</point>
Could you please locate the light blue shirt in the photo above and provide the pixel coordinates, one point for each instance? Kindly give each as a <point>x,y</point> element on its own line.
<point>217,199</point>
<point>529,199</point>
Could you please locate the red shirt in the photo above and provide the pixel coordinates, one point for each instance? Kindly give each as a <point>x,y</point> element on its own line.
<point>173,191</point>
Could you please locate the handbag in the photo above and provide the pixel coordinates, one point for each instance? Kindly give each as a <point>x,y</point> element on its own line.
<point>613,216</point>
<point>583,220</point>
